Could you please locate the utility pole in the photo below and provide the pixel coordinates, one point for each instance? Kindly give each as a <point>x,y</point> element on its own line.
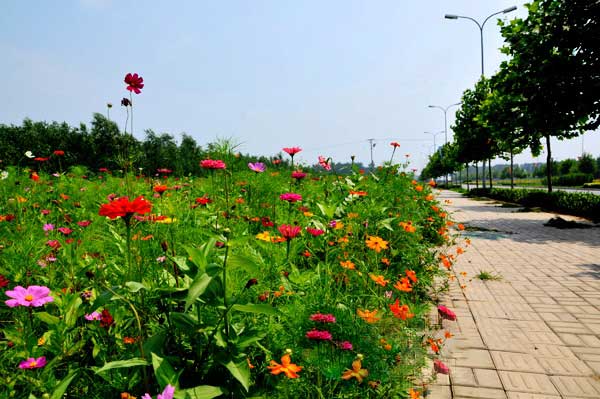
<point>371,145</point>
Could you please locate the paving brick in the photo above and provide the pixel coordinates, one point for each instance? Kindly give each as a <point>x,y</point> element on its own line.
<point>487,378</point>
<point>527,382</point>
<point>476,358</point>
<point>585,387</point>
<point>438,392</point>
<point>516,362</point>
<point>522,395</point>
<point>565,367</point>
<point>477,393</point>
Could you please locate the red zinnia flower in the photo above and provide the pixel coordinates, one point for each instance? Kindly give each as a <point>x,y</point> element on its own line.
<point>160,189</point>
<point>203,200</point>
<point>106,319</point>
<point>289,232</point>
<point>395,144</point>
<point>59,153</point>
<point>134,83</point>
<point>124,208</point>
<point>212,164</point>
<point>298,175</point>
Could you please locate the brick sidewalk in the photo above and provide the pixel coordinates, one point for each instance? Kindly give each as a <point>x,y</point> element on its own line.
<point>534,334</point>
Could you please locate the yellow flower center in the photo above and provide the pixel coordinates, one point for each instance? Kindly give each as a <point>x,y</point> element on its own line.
<point>32,364</point>
<point>29,297</point>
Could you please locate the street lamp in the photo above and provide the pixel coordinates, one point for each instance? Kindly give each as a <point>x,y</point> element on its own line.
<point>480,26</point>
<point>434,134</point>
<point>445,111</point>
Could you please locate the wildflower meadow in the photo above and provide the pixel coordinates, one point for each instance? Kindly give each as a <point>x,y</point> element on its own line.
<point>248,280</point>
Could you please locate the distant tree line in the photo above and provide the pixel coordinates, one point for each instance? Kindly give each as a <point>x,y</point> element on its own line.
<point>103,145</point>
<point>548,87</point>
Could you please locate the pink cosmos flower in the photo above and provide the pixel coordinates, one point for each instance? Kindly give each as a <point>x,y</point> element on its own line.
<point>288,231</point>
<point>84,223</point>
<point>257,167</point>
<point>314,232</point>
<point>292,150</point>
<point>45,211</point>
<point>446,313</point>
<point>33,295</point>
<point>33,363</point>
<point>212,164</point>
<point>323,318</point>
<point>440,367</point>
<point>290,197</point>
<point>93,316</point>
<point>48,227</point>
<point>324,162</point>
<point>65,230</point>
<point>319,335</point>
<point>166,394</point>
<point>298,175</point>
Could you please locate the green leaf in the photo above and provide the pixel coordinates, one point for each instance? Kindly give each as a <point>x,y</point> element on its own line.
<point>327,210</point>
<point>61,388</point>
<point>199,392</point>
<point>184,321</point>
<point>245,262</point>
<point>47,318</point>
<point>240,371</point>
<point>200,255</point>
<point>70,311</point>
<point>197,288</point>
<point>256,308</point>
<point>135,286</point>
<point>119,364</point>
<point>164,372</point>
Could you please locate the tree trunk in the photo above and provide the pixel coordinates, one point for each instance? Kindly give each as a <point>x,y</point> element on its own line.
<point>490,169</point>
<point>476,175</point>
<point>467,176</point>
<point>483,174</point>
<point>549,164</point>
<point>512,172</point>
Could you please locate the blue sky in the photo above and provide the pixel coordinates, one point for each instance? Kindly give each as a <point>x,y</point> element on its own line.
<point>322,75</point>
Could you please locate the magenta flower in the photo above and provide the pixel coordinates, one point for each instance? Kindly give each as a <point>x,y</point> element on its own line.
<point>65,230</point>
<point>33,295</point>
<point>288,231</point>
<point>257,167</point>
<point>166,394</point>
<point>292,150</point>
<point>93,316</point>
<point>440,367</point>
<point>54,244</point>
<point>314,232</point>
<point>212,164</point>
<point>298,175</point>
<point>290,197</point>
<point>324,162</point>
<point>33,363</point>
<point>446,313</point>
<point>323,318</point>
<point>345,345</point>
<point>84,223</point>
<point>319,335</point>
<point>48,227</point>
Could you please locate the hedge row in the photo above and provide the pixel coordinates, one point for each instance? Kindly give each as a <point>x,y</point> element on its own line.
<point>577,204</point>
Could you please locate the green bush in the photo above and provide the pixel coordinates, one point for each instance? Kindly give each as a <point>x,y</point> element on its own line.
<point>572,179</point>
<point>577,204</point>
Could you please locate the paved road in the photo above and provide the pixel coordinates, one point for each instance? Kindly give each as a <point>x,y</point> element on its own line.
<point>571,190</point>
<point>534,334</point>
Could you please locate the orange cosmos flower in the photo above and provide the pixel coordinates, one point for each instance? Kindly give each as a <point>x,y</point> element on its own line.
<point>403,285</point>
<point>448,334</point>
<point>379,279</point>
<point>459,251</point>
<point>461,226</point>
<point>401,311</point>
<point>287,367</point>
<point>429,197</point>
<point>376,243</point>
<point>370,316</point>
<point>411,275</point>
<point>358,193</point>
<point>385,261</point>
<point>419,188</point>
<point>357,372</point>
<point>414,394</point>
<point>431,183</point>
<point>347,264</point>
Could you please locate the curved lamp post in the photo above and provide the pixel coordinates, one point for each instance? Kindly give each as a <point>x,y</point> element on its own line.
<point>480,26</point>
